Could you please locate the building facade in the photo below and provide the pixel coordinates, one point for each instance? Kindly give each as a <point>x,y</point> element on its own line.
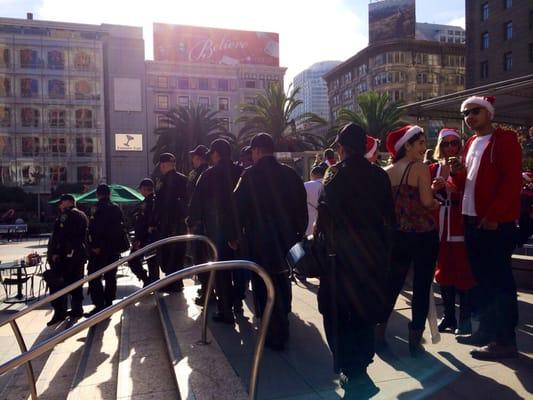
<point>313,89</point>
<point>217,68</point>
<point>53,120</point>
<point>440,33</point>
<point>499,40</point>
<point>409,70</point>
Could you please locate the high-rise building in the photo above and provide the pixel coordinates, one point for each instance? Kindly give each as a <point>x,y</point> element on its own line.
<point>218,68</point>
<point>313,89</point>
<point>54,127</point>
<point>499,40</point>
<point>396,62</point>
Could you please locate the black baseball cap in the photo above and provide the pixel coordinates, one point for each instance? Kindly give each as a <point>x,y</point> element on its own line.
<point>262,140</point>
<point>166,157</point>
<point>103,189</point>
<point>200,151</point>
<point>222,147</point>
<point>66,196</point>
<point>146,182</point>
<point>352,136</point>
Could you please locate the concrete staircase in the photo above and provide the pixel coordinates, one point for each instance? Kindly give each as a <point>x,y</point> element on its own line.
<point>149,350</point>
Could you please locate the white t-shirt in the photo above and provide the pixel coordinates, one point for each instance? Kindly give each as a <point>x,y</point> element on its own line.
<point>313,189</point>
<point>473,160</point>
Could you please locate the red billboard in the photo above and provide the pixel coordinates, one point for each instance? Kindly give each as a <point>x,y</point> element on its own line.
<point>192,44</point>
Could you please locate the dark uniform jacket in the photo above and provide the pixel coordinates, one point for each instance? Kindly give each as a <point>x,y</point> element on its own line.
<point>272,206</point>
<point>171,203</point>
<point>356,215</point>
<point>69,236</point>
<point>212,208</point>
<point>193,177</point>
<point>106,226</point>
<point>144,221</point>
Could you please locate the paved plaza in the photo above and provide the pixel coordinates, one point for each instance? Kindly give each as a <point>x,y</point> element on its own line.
<point>304,371</point>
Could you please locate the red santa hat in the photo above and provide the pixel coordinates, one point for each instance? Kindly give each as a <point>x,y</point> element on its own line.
<point>486,102</point>
<point>371,146</point>
<point>527,176</point>
<point>445,132</point>
<point>396,139</point>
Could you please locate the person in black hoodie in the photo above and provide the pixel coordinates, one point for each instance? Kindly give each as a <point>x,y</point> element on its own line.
<point>106,226</point>
<point>272,209</point>
<point>212,209</point>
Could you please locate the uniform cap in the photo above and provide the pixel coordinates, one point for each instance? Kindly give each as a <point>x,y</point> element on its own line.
<point>397,138</point>
<point>67,196</point>
<point>262,140</point>
<point>167,157</point>
<point>222,147</point>
<point>200,151</point>
<point>352,136</point>
<point>146,182</point>
<point>103,189</point>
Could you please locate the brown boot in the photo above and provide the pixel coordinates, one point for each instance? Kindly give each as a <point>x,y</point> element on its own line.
<point>415,341</point>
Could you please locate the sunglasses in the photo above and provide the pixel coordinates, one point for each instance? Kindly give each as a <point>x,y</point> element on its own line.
<point>454,143</point>
<point>474,111</point>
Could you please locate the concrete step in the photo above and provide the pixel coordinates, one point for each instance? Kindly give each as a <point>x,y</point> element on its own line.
<point>143,369</point>
<point>96,372</point>
<point>202,372</point>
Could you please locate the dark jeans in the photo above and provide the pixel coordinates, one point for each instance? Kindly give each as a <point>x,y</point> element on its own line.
<point>489,253</point>
<point>103,297</point>
<point>351,341</point>
<point>224,286</point>
<point>278,329</point>
<point>421,251</point>
<point>71,269</point>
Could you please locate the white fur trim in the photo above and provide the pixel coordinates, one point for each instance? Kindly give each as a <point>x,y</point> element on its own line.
<point>408,135</point>
<point>480,101</point>
<point>448,132</point>
<point>371,152</point>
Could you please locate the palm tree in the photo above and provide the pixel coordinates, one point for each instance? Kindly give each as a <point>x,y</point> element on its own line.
<point>187,128</point>
<point>272,113</point>
<point>378,115</point>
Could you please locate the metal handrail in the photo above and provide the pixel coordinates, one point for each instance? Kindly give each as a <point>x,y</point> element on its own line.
<point>45,346</point>
<point>11,320</point>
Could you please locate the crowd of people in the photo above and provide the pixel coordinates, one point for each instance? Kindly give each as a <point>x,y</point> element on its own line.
<point>454,220</point>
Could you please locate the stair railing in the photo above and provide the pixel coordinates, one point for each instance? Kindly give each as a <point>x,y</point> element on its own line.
<point>37,350</point>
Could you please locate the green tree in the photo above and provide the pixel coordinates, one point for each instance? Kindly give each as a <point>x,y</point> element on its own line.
<point>187,128</point>
<point>378,115</point>
<point>272,113</point>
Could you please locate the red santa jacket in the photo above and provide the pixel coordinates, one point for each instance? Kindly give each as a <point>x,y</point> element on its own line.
<point>499,179</point>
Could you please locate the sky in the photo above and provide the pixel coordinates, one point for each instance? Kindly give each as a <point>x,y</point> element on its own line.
<point>310,30</point>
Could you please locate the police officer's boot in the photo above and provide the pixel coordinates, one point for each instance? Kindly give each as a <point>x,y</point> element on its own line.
<point>465,313</point>
<point>379,334</point>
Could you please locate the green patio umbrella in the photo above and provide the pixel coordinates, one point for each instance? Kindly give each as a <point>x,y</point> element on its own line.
<point>120,194</point>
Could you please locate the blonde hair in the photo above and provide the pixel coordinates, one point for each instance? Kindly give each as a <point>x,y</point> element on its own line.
<point>436,152</point>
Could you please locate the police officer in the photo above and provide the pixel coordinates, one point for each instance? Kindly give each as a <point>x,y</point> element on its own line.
<point>213,208</point>
<point>170,213</point>
<point>145,234</point>
<point>200,252</point>
<point>106,228</point>
<point>272,206</point>
<point>355,218</point>
<point>66,255</point>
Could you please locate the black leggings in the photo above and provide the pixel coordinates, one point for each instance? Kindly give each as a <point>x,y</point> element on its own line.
<point>420,250</point>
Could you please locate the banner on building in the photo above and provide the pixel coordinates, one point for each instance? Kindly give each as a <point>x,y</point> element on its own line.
<point>191,44</point>
<point>391,19</point>
<point>128,142</point>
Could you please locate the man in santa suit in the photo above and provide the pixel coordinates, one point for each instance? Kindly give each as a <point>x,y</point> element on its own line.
<point>490,177</point>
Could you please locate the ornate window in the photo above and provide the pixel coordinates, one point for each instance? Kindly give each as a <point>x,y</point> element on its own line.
<point>56,89</point>
<point>29,117</point>
<point>84,118</point>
